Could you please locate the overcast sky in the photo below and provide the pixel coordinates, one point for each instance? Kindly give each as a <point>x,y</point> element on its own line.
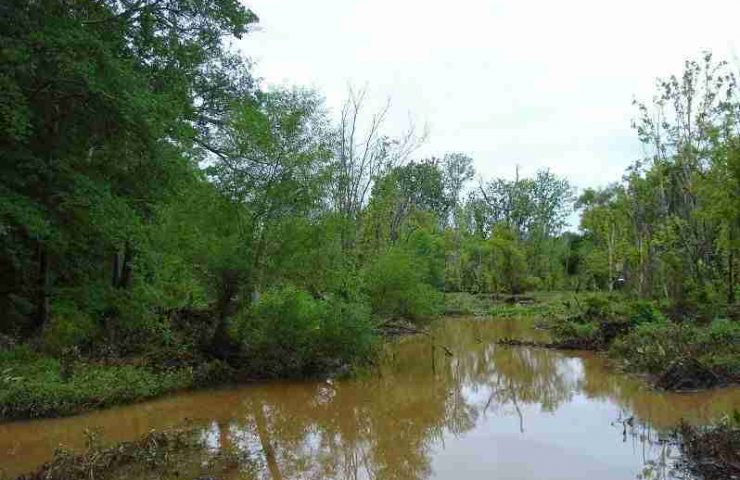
<point>517,82</point>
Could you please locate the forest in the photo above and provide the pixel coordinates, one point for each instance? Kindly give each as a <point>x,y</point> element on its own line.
<point>166,223</point>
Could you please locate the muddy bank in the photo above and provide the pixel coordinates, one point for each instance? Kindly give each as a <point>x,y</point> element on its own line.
<point>712,453</point>
<point>174,453</point>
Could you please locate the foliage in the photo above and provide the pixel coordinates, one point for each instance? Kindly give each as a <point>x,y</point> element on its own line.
<point>507,262</point>
<point>653,346</point>
<point>69,328</point>
<point>397,284</point>
<point>34,385</point>
<point>288,332</point>
<point>462,303</point>
<point>670,230</point>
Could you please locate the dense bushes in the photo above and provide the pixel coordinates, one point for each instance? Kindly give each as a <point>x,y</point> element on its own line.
<point>652,347</point>
<point>639,335</point>
<point>288,332</point>
<point>397,286</point>
<point>69,328</point>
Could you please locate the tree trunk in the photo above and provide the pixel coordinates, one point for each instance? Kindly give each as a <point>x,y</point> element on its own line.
<point>116,274</point>
<point>221,345</point>
<point>127,267</point>
<point>42,301</point>
<point>731,268</point>
<point>610,254</point>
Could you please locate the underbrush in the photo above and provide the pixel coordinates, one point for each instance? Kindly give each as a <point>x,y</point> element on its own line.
<point>290,333</point>
<point>713,453</point>
<point>287,333</point>
<point>399,284</point>
<point>464,303</point>
<point>525,309</point>
<point>33,385</point>
<point>134,352</point>
<point>639,336</point>
<point>660,347</point>
<point>685,355</point>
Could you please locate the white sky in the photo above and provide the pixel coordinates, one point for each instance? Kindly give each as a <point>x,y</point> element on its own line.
<point>535,83</point>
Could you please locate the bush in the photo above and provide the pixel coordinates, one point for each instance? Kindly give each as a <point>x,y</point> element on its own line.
<point>397,286</point>
<point>642,311</point>
<point>508,262</point>
<point>288,332</point>
<point>573,331</point>
<point>601,306</point>
<point>652,347</point>
<point>461,303</point>
<point>69,328</point>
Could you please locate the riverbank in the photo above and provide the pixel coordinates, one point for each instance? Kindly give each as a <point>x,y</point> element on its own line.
<point>172,453</point>
<point>713,453</point>
<point>679,354</point>
<point>36,385</point>
<point>636,335</point>
<point>287,334</point>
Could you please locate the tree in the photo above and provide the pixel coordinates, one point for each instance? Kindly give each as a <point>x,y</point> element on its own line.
<point>103,102</point>
<point>362,153</point>
<point>402,193</point>
<point>457,170</point>
<point>604,220</point>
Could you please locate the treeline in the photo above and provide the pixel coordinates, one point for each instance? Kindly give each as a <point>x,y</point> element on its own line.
<point>671,229</point>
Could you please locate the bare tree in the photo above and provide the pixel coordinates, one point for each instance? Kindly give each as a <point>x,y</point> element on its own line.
<point>364,152</point>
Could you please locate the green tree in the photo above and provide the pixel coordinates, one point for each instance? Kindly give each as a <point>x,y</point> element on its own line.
<point>103,102</point>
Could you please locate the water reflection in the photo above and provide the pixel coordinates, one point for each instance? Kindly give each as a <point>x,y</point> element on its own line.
<point>482,412</point>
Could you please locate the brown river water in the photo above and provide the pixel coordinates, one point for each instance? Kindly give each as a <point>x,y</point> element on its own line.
<point>465,409</point>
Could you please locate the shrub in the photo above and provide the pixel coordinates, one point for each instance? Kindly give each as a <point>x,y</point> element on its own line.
<point>576,331</point>
<point>599,306</point>
<point>397,286</point>
<point>460,303</point>
<point>69,328</point>
<point>288,332</point>
<point>508,261</point>
<point>651,347</point>
<point>642,311</point>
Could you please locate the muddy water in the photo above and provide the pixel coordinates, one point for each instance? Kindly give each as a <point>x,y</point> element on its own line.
<point>463,409</point>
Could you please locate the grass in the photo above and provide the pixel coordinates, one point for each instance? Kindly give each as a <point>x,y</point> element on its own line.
<point>288,333</point>
<point>33,385</point>
<point>310,336</point>
<point>539,304</point>
<point>464,304</point>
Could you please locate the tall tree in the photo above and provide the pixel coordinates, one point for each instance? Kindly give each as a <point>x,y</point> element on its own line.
<point>103,102</point>
<point>363,151</point>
